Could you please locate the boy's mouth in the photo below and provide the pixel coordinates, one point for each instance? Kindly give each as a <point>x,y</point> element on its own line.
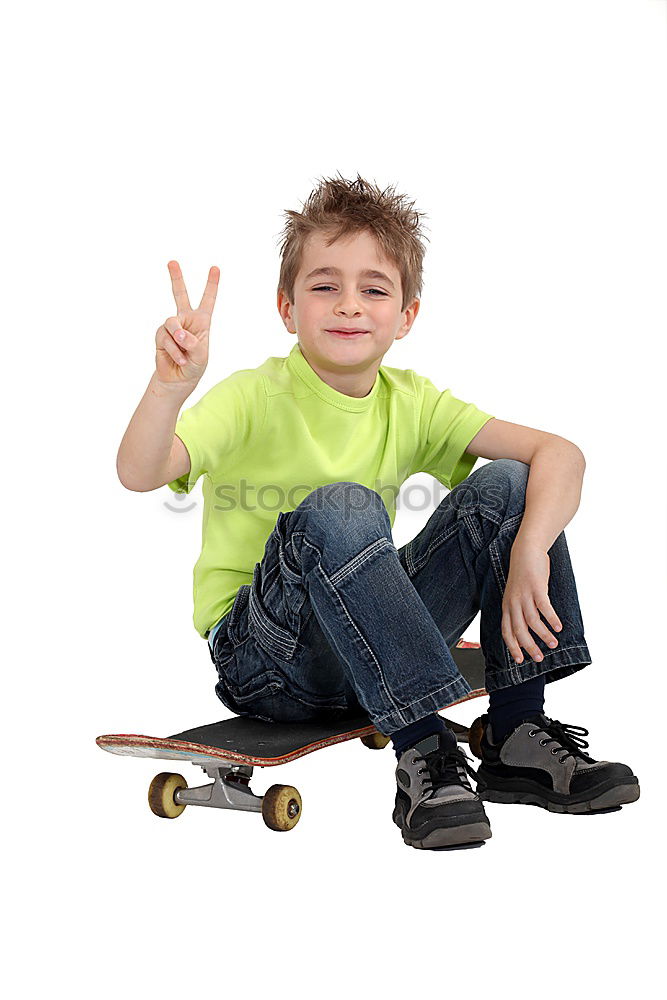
<point>347,333</point>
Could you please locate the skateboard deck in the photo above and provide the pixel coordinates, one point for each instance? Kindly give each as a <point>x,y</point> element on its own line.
<point>252,741</point>
<point>229,750</point>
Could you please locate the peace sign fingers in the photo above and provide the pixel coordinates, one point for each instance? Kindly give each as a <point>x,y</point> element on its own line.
<point>178,287</point>
<point>210,292</point>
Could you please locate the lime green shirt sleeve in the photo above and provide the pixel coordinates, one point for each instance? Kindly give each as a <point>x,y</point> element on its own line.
<point>218,426</point>
<point>447,425</point>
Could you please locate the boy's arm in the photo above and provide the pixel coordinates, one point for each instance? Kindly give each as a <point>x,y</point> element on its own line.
<point>150,454</point>
<point>554,482</point>
<point>553,493</point>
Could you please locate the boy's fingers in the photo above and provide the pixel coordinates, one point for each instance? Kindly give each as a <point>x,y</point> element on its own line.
<point>545,606</point>
<point>525,639</point>
<point>178,287</point>
<point>533,620</point>
<point>211,290</point>
<point>518,622</point>
<point>166,342</point>
<point>508,636</point>
<point>183,337</point>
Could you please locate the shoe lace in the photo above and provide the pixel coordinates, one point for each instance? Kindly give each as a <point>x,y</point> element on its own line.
<point>443,768</point>
<point>567,738</point>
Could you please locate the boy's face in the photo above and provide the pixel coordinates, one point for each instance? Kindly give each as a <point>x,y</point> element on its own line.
<point>346,298</point>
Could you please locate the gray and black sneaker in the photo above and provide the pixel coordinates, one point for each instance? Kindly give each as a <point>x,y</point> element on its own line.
<point>435,805</point>
<point>542,762</point>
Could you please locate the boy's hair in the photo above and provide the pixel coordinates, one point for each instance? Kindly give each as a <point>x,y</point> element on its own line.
<point>348,207</point>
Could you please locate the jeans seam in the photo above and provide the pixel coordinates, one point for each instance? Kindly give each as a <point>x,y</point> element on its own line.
<point>435,544</point>
<point>358,560</point>
<point>273,586</point>
<point>493,671</point>
<point>491,515</point>
<point>508,523</point>
<point>474,533</point>
<point>313,704</point>
<point>282,638</point>
<point>550,652</point>
<point>270,628</point>
<point>295,548</point>
<point>242,699</point>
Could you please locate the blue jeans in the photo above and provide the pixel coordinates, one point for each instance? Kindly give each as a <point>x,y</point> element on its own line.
<point>339,621</point>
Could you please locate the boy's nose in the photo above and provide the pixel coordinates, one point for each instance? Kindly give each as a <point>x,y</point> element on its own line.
<point>347,307</point>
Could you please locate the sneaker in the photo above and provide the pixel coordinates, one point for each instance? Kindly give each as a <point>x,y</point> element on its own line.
<point>542,762</point>
<point>435,805</point>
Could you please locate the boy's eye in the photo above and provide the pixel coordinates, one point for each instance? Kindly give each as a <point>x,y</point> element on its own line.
<point>322,288</point>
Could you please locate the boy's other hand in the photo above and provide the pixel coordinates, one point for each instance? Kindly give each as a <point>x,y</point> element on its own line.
<point>181,342</point>
<point>525,596</point>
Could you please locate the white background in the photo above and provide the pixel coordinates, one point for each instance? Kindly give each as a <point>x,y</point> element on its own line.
<point>533,136</point>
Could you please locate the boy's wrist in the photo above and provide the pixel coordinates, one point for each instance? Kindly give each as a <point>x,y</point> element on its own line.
<point>177,391</point>
<point>530,541</point>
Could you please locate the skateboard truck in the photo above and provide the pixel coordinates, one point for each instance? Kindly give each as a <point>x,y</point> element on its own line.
<point>230,790</point>
<point>280,806</point>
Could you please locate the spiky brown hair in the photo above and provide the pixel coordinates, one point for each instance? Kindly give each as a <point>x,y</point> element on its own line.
<point>345,207</point>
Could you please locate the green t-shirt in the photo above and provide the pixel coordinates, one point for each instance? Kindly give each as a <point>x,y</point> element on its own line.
<point>263,438</point>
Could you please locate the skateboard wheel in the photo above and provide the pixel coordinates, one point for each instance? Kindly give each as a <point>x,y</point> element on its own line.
<point>161,795</point>
<point>475,737</point>
<point>376,741</point>
<point>281,807</point>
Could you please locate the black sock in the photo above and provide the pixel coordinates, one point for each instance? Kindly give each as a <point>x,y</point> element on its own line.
<point>410,735</point>
<point>510,705</point>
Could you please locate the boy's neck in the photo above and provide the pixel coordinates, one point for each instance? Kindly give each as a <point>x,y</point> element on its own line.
<point>354,383</point>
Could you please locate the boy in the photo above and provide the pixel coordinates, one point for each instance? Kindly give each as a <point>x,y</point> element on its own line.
<point>308,608</point>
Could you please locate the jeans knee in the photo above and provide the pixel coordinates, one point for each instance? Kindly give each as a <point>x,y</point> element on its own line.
<point>349,502</point>
<point>498,486</point>
<point>515,472</point>
<point>512,477</point>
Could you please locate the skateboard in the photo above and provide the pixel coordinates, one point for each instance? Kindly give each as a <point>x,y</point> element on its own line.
<point>229,750</point>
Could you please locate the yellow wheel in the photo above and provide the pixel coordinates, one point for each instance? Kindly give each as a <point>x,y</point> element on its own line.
<point>281,807</point>
<point>161,794</point>
<point>476,733</point>
<point>376,741</point>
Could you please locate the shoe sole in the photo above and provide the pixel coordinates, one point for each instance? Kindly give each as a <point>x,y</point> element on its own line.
<point>473,833</point>
<point>619,795</point>
<point>446,836</point>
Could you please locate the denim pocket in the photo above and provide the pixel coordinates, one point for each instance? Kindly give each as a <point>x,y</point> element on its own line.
<point>281,532</point>
<point>294,593</point>
<point>273,637</point>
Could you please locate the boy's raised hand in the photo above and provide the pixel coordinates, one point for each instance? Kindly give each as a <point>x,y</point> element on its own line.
<point>181,342</point>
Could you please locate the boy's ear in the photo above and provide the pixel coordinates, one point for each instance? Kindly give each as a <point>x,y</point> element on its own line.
<point>410,316</point>
<point>285,310</point>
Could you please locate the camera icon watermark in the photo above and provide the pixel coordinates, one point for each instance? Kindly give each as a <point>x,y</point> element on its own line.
<point>180,502</point>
